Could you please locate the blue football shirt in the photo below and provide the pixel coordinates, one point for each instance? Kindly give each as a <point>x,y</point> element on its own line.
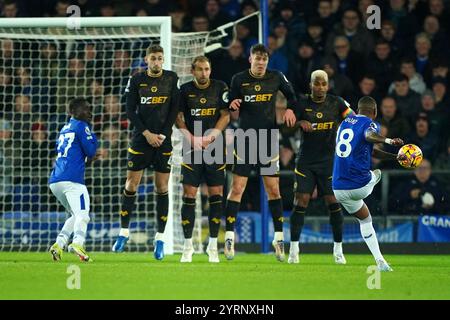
<point>76,142</point>
<point>352,157</point>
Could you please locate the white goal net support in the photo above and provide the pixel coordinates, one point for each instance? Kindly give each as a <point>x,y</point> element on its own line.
<point>43,64</point>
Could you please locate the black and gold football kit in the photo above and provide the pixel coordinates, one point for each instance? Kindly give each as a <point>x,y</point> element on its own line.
<point>314,162</point>
<point>257,111</point>
<point>203,105</point>
<point>152,104</point>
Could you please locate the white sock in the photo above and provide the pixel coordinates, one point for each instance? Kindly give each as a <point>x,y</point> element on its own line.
<point>229,235</point>
<point>294,247</point>
<point>80,228</point>
<point>188,243</point>
<point>212,244</point>
<point>370,237</point>
<point>337,249</point>
<point>64,235</point>
<point>124,232</point>
<point>278,236</point>
<point>159,236</point>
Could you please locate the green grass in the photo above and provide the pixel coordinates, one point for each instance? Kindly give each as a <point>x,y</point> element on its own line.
<point>249,276</point>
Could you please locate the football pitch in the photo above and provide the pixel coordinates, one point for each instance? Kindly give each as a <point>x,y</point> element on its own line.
<point>249,276</point>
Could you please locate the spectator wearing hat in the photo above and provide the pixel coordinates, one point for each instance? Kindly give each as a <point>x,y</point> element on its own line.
<point>423,138</point>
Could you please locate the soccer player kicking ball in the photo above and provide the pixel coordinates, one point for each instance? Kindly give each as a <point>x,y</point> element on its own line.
<point>76,142</point>
<point>352,178</point>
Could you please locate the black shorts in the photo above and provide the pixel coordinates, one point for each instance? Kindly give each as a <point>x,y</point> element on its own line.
<point>265,164</point>
<point>270,168</point>
<point>195,174</point>
<point>307,176</point>
<point>142,156</point>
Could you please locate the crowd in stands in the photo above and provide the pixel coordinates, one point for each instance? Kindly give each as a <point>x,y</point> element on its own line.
<point>404,65</point>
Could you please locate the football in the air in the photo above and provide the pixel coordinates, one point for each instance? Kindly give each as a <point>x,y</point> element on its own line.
<point>413,155</point>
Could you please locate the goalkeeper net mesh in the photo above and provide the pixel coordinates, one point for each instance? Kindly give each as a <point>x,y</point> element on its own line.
<point>41,69</point>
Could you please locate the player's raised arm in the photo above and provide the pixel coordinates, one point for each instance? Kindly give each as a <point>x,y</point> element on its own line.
<point>131,105</point>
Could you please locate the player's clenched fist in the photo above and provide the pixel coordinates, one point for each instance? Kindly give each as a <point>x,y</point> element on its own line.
<point>235,104</point>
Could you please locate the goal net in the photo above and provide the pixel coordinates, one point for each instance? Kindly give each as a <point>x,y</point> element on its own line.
<point>43,64</point>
